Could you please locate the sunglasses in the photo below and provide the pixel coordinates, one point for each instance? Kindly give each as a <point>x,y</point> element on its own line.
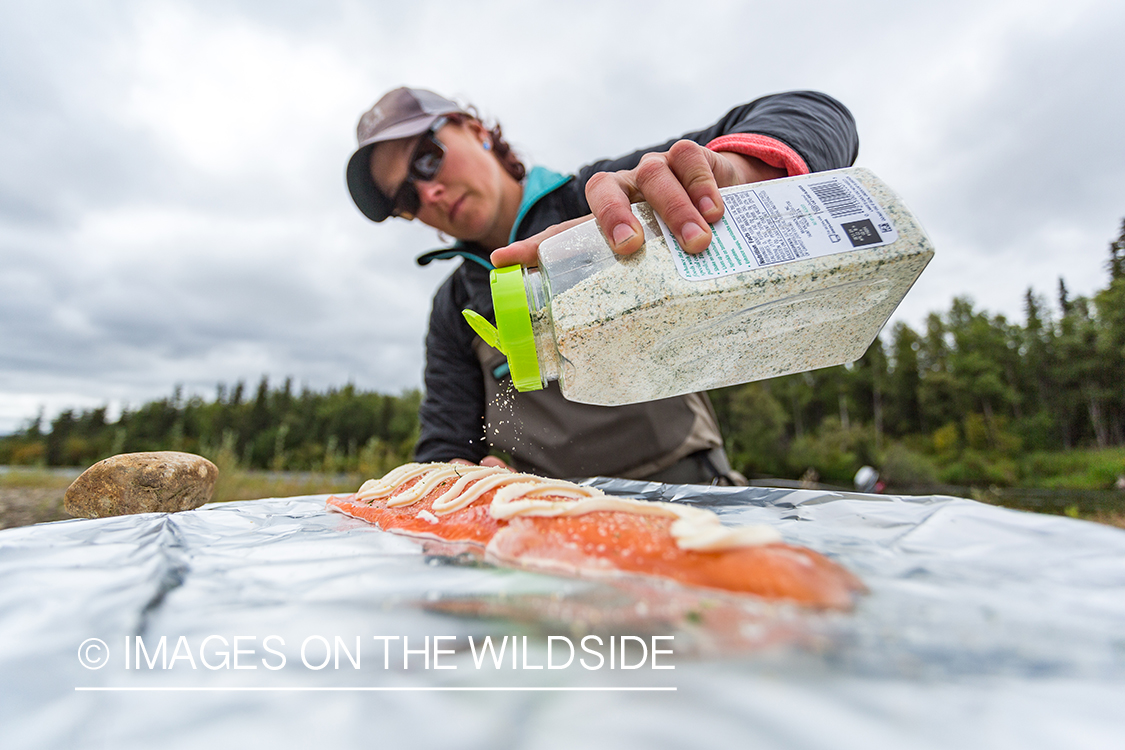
<point>425,163</point>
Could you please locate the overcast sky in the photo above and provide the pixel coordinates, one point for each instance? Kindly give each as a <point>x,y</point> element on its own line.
<point>172,201</point>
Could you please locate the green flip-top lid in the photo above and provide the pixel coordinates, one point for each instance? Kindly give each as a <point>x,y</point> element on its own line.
<point>512,335</point>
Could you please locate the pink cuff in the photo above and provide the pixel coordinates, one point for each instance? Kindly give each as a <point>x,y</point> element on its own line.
<point>771,151</point>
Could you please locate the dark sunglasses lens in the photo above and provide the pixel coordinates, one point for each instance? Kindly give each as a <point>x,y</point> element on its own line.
<point>425,163</point>
<point>427,159</point>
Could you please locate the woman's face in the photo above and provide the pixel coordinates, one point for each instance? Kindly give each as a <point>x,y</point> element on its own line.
<point>471,195</point>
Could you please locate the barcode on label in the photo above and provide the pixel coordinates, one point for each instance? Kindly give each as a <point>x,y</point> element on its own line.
<point>838,201</point>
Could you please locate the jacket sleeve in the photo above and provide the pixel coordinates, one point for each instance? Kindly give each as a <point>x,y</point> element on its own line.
<point>800,131</point>
<point>452,413</point>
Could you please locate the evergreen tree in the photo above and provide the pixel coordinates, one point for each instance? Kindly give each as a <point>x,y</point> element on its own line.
<point>903,411</point>
<point>1117,256</point>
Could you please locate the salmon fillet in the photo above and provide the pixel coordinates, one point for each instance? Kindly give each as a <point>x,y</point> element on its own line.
<point>530,522</point>
<point>605,542</point>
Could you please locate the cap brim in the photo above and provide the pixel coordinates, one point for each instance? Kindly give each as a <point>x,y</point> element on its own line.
<point>367,197</point>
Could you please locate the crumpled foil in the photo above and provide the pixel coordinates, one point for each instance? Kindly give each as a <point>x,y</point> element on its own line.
<point>287,625</point>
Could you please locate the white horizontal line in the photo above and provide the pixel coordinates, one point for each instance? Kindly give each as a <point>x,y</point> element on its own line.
<point>368,689</point>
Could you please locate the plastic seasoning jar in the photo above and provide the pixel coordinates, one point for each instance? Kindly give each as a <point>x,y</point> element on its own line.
<point>801,273</point>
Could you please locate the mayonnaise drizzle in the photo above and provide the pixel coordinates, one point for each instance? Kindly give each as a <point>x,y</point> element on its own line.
<point>484,477</point>
<point>438,474</point>
<point>374,489</point>
<point>527,495</point>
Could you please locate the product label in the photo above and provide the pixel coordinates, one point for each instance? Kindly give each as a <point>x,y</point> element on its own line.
<point>769,223</point>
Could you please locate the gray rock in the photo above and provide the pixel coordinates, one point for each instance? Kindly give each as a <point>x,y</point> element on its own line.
<point>161,482</point>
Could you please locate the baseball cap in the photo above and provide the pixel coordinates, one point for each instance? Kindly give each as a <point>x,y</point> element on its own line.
<point>401,113</point>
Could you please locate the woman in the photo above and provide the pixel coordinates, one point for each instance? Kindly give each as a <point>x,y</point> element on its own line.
<point>423,156</point>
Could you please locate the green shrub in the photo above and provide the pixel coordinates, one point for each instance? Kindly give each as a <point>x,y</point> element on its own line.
<point>1075,469</point>
<point>904,467</point>
<point>977,468</point>
<point>834,452</point>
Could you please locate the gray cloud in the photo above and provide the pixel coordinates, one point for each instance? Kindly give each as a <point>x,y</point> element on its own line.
<point>172,206</point>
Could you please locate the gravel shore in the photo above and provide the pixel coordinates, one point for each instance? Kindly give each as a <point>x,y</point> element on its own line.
<point>22,506</point>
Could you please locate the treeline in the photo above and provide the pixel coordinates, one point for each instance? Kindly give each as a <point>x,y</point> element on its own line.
<point>274,428</point>
<point>973,399</point>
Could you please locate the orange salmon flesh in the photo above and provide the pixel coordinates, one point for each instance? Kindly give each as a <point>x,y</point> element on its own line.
<point>613,543</point>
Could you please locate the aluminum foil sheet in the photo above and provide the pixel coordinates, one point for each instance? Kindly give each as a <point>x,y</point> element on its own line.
<point>284,625</point>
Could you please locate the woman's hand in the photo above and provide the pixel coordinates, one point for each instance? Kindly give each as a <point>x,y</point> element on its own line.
<point>681,184</point>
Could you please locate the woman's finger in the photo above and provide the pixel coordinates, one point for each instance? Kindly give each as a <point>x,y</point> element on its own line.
<point>701,172</point>
<point>526,252</point>
<point>665,181</point>
<point>610,195</point>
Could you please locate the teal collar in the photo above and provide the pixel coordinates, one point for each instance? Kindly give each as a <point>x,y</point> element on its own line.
<point>539,182</point>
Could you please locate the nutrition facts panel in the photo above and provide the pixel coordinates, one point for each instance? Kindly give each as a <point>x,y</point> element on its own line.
<point>779,222</point>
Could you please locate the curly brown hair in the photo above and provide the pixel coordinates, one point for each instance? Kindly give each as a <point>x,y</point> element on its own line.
<point>500,147</point>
